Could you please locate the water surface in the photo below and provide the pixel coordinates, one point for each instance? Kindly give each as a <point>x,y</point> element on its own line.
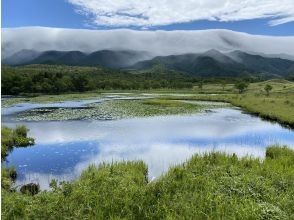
<point>65,148</point>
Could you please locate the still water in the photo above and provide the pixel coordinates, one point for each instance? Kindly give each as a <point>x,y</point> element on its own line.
<point>64,149</point>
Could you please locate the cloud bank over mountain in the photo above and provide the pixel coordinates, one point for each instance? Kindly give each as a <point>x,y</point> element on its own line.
<point>155,42</point>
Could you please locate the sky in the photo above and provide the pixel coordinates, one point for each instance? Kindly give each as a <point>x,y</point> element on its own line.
<point>262,17</point>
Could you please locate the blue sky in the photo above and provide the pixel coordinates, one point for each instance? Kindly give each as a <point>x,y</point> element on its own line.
<point>85,14</point>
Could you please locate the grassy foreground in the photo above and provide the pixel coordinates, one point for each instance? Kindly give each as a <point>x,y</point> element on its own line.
<point>210,186</point>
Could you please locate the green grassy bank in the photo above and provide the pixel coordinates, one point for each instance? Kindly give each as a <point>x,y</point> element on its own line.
<point>210,186</point>
<point>11,138</point>
<point>277,106</point>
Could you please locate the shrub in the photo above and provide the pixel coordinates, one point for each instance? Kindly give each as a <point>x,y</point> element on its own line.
<point>23,142</point>
<point>30,189</point>
<point>241,86</point>
<point>287,102</point>
<point>268,88</point>
<point>21,131</point>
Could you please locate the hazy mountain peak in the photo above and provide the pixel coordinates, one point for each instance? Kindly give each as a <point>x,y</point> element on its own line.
<point>217,55</point>
<point>212,52</point>
<point>21,56</point>
<point>106,58</point>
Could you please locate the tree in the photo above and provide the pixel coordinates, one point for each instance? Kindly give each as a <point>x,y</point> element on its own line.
<point>268,88</point>
<point>241,86</point>
<point>15,90</point>
<point>80,82</point>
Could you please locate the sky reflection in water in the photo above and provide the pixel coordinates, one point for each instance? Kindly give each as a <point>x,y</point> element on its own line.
<point>64,149</point>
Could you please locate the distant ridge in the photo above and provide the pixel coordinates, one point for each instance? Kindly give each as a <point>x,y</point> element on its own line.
<point>21,57</point>
<point>106,58</point>
<point>215,63</point>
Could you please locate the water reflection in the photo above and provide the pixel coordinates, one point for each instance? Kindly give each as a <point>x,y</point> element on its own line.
<point>66,148</point>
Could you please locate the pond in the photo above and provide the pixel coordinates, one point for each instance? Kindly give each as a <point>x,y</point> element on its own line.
<point>64,149</point>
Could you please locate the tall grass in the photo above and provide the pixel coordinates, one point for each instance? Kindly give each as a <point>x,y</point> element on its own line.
<point>210,186</point>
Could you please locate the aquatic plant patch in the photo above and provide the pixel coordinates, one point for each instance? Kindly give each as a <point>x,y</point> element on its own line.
<point>114,109</point>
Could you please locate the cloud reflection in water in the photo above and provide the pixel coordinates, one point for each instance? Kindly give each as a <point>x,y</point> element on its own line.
<point>65,149</point>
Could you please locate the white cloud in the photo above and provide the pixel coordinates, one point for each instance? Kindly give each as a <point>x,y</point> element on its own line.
<point>155,42</point>
<point>164,12</point>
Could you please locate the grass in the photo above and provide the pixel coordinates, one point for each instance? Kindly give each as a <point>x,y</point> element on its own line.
<point>50,98</point>
<point>278,106</point>
<point>167,103</point>
<point>11,138</point>
<point>210,186</point>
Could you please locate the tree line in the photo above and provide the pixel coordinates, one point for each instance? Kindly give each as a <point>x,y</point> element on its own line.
<point>62,79</point>
<point>55,79</point>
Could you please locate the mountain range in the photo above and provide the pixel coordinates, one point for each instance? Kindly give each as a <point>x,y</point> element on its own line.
<point>215,63</point>
<point>213,52</point>
<point>210,63</point>
<point>106,58</point>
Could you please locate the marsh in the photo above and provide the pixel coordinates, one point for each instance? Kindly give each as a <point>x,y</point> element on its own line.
<point>64,148</point>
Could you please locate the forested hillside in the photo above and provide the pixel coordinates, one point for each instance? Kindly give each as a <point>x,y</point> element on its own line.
<point>61,79</point>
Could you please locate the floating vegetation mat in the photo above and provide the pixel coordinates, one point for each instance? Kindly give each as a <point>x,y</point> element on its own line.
<point>116,109</point>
